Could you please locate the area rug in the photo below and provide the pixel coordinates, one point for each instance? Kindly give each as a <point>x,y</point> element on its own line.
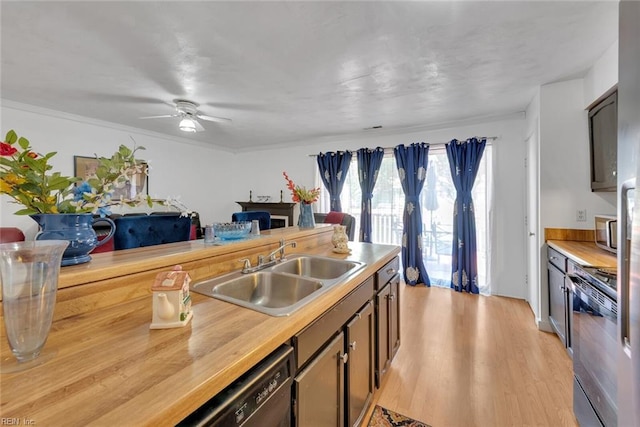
<point>383,417</point>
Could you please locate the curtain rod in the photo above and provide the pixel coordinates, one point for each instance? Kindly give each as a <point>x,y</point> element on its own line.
<point>390,149</point>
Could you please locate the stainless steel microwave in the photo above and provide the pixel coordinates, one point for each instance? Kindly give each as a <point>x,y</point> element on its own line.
<point>607,232</point>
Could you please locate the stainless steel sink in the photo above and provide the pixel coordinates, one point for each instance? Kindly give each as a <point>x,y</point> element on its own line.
<point>281,289</point>
<point>265,291</point>
<point>316,267</point>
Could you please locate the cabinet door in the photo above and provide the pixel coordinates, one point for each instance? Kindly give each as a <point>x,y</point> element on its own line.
<point>319,388</point>
<point>603,139</point>
<point>557,302</point>
<point>360,365</point>
<point>394,316</point>
<point>382,333</point>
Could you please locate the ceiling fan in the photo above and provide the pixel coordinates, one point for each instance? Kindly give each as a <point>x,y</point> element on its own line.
<point>188,114</point>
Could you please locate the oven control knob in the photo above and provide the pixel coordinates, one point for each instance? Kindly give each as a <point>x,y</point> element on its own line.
<point>272,385</point>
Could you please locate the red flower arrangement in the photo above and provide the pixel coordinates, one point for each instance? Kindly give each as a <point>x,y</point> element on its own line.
<point>301,194</point>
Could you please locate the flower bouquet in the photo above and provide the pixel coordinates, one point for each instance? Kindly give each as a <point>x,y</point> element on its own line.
<point>62,209</point>
<point>305,198</point>
<point>26,177</point>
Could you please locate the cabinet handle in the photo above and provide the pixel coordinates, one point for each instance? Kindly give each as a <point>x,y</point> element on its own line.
<point>344,357</point>
<point>391,297</point>
<point>353,345</point>
<point>391,271</point>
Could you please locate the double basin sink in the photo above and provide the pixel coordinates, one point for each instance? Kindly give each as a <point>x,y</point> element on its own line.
<point>283,288</point>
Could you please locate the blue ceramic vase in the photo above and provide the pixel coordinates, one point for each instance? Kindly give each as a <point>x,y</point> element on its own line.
<point>306,220</point>
<point>77,229</point>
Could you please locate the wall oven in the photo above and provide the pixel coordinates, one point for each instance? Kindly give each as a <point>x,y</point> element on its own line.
<point>594,344</point>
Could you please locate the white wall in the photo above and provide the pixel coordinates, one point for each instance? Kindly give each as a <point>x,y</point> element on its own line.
<point>564,159</point>
<point>558,112</point>
<point>602,77</point>
<point>200,176</point>
<point>508,154</point>
<point>564,167</point>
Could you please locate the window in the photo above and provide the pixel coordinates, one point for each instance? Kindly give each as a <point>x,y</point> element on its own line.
<point>436,201</point>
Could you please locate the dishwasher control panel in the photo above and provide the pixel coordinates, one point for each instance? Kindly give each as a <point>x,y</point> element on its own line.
<point>249,397</point>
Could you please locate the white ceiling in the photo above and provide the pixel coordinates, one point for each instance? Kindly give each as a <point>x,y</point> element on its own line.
<point>293,72</point>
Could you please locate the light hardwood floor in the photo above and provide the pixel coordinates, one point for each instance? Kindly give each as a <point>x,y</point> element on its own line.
<point>468,360</point>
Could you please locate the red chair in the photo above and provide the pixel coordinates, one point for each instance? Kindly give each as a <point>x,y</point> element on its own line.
<point>11,234</point>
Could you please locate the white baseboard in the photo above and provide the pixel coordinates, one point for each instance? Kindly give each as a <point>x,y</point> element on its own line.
<point>544,325</point>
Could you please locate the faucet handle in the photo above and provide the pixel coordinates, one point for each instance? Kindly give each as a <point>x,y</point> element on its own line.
<point>247,263</point>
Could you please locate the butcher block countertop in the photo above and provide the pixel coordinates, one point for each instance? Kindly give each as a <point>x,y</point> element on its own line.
<point>584,253</point>
<point>109,369</point>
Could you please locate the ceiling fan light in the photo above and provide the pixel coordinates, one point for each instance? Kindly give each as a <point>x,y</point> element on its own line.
<point>187,125</point>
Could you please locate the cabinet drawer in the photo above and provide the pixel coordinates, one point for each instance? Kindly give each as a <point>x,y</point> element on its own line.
<point>387,272</point>
<point>309,340</point>
<point>557,259</point>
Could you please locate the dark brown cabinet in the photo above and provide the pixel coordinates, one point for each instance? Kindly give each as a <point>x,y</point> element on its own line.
<point>387,317</point>
<point>342,356</point>
<point>319,388</point>
<point>603,141</point>
<point>360,348</point>
<point>559,296</point>
<point>338,374</point>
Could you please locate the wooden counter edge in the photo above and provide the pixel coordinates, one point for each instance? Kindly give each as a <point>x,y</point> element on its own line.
<point>584,253</point>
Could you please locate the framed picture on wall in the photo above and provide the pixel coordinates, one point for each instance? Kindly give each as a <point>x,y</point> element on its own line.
<point>83,167</point>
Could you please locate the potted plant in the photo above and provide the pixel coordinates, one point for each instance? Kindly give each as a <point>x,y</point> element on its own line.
<point>64,210</point>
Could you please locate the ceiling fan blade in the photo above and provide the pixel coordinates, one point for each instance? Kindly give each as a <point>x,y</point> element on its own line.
<point>159,117</point>
<point>213,119</point>
<point>199,127</point>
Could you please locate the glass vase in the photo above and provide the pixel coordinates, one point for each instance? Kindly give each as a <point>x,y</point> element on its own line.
<point>29,272</point>
<point>306,220</point>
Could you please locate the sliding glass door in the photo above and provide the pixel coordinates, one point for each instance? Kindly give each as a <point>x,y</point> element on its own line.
<point>436,199</point>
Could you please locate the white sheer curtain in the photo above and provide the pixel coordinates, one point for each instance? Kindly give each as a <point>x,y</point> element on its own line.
<point>388,202</point>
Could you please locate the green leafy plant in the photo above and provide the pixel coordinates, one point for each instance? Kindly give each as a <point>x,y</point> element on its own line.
<point>26,177</point>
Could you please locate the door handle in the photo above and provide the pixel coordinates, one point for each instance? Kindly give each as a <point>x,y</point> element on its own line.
<point>531,234</point>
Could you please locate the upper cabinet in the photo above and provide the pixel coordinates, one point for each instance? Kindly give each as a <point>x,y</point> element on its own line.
<point>603,141</point>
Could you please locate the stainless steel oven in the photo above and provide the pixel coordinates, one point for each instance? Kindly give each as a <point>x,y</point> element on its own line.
<point>594,344</point>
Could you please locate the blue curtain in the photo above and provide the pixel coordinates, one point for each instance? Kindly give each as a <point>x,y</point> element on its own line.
<point>333,172</point>
<point>369,162</point>
<point>464,161</point>
<point>412,164</point>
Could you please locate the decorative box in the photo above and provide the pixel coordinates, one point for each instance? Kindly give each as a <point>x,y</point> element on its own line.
<point>171,299</point>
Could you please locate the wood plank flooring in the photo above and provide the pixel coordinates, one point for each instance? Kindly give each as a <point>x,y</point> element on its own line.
<point>468,360</point>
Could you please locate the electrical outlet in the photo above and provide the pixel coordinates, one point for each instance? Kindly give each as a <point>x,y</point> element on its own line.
<point>581,215</point>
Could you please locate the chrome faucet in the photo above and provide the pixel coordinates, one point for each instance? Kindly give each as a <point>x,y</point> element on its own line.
<point>283,244</point>
<point>247,268</point>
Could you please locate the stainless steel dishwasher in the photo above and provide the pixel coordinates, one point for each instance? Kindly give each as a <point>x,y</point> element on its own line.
<point>260,397</point>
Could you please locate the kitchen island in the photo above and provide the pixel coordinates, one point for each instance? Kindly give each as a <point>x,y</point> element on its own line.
<point>102,365</point>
